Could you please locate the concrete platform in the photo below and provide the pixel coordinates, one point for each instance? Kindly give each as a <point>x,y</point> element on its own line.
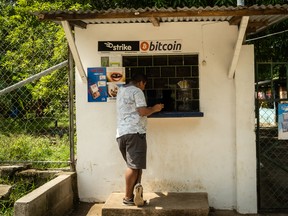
<point>160,204</point>
<point>94,209</point>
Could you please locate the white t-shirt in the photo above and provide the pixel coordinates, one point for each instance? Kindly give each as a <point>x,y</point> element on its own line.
<point>129,98</point>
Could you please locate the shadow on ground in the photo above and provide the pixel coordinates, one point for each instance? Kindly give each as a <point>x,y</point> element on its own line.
<point>89,209</point>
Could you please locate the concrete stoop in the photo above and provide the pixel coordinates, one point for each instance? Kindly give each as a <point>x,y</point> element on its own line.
<point>160,204</point>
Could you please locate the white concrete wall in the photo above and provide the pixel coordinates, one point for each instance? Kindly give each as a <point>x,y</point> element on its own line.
<point>246,193</point>
<point>184,154</point>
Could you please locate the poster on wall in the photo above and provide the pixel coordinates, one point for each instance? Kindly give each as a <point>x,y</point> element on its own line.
<point>111,61</point>
<point>97,84</point>
<point>115,78</point>
<point>283,121</point>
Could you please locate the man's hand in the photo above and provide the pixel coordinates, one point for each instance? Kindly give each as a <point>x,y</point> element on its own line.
<point>158,107</point>
<point>146,111</point>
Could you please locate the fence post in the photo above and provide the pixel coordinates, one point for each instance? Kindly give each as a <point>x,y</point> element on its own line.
<point>71,110</point>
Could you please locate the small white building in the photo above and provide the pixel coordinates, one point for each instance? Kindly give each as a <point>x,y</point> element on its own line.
<point>206,146</point>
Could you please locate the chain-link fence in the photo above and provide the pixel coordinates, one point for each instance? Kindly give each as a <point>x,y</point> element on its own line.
<point>272,136</point>
<point>34,114</point>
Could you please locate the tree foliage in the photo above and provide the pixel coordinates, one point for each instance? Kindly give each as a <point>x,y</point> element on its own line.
<point>29,47</point>
<point>25,42</point>
<point>270,46</point>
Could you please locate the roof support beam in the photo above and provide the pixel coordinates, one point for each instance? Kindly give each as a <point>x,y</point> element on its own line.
<point>238,46</point>
<point>79,24</point>
<point>74,51</point>
<point>235,20</point>
<point>155,21</point>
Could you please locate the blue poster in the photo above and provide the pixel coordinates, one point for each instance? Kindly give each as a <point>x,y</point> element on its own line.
<point>97,86</point>
<point>283,121</point>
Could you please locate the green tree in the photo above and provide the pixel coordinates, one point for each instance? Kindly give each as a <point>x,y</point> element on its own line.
<point>270,46</point>
<point>25,42</point>
<point>29,47</point>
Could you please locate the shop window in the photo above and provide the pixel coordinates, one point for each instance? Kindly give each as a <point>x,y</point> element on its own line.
<point>172,80</point>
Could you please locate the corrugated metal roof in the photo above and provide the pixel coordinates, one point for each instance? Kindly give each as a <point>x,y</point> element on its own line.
<point>261,16</point>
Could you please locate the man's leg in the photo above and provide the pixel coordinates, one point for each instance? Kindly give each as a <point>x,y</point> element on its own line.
<point>139,177</point>
<point>131,178</point>
<point>138,189</point>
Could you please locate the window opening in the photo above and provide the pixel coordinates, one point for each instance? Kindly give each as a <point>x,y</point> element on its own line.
<point>172,80</point>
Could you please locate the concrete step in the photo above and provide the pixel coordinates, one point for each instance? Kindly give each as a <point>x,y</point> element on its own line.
<point>5,191</point>
<point>7,171</point>
<point>159,204</point>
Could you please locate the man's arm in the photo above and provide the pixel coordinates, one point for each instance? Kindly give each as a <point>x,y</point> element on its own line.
<point>146,111</point>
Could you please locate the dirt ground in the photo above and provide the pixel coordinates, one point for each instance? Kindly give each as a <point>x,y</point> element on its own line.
<point>89,209</point>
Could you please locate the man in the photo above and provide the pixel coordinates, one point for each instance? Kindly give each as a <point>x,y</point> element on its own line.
<point>132,112</point>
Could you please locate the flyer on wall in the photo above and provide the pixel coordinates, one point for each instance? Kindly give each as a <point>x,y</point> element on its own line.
<point>283,121</point>
<point>111,61</point>
<point>115,79</point>
<point>97,87</point>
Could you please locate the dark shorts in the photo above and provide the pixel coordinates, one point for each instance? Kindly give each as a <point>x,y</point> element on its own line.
<point>133,148</point>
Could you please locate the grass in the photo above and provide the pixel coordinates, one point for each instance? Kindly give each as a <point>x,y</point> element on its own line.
<point>41,143</point>
<point>20,188</point>
<point>33,140</point>
<point>29,148</point>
